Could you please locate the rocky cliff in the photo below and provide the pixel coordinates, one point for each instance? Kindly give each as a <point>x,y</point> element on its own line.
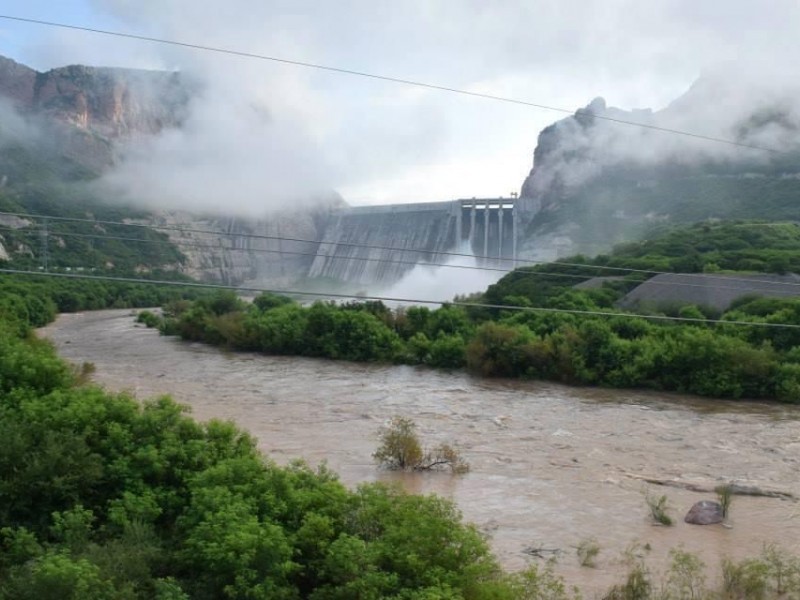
<point>85,110</point>
<point>598,180</point>
<point>253,252</point>
<point>81,115</point>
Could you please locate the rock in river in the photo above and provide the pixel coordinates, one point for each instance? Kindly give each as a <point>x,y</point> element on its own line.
<point>705,512</point>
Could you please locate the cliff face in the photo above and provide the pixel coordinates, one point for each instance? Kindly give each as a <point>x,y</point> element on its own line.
<point>17,82</point>
<point>87,109</point>
<point>246,252</point>
<point>596,182</point>
<point>83,114</point>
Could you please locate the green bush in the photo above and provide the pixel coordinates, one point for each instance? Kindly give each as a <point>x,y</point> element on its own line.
<point>103,497</point>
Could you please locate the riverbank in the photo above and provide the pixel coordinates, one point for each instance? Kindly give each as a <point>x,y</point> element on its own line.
<point>551,465</point>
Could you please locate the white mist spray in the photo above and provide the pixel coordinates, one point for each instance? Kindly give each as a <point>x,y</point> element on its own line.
<point>459,275</point>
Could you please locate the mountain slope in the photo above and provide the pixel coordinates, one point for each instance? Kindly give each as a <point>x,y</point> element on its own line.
<point>595,181</point>
<point>84,110</point>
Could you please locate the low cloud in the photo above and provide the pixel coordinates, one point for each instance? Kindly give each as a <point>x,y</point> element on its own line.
<point>740,114</point>
<point>230,155</point>
<point>325,131</point>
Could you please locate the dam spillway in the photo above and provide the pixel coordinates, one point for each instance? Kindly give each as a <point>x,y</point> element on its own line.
<point>379,244</point>
<point>489,226</point>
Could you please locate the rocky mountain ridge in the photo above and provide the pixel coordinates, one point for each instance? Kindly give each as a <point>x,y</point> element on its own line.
<point>89,109</point>
<point>80,115</point>
<point>594,182</point>
<point>599,179</point>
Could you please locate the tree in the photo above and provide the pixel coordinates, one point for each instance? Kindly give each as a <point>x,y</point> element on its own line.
<point>400,449</point>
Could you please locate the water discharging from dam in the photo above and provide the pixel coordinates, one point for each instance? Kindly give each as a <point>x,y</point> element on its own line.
<point>377,245</point>
<point>551,465</point>
<point>459,275</point>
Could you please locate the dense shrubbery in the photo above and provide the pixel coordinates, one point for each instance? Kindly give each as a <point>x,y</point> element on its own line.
<point>103,497</point>
<point>35,301</point>
<point>722,360</point>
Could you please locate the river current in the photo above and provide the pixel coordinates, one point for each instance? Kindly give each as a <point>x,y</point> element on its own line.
<point>550,465</point>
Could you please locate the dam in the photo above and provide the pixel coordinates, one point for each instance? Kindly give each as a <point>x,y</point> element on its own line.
<point>379,244</point>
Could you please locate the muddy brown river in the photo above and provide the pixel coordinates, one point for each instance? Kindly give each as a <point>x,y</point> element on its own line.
<point>550,465</point>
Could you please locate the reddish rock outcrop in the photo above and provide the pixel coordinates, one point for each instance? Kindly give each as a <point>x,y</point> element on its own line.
<point>89,108</point>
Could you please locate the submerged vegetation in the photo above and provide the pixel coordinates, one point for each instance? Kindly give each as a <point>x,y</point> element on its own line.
<point>400,449</point>
<point>659,509</point>
<point>587,552</point>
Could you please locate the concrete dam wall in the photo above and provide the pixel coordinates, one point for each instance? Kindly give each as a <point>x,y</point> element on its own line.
<point>372,245</point>
<point>380,244</point>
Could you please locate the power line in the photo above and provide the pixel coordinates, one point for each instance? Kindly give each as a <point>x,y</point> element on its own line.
<point>596,313</point>
<point>259,236</point>
<point>183,244</point>
<point>526,262</point>
<point>398,80</point>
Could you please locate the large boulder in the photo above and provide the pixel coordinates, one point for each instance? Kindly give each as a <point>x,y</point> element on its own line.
<point>705,512</point>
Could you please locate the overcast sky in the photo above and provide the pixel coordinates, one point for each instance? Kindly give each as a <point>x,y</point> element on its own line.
<point>381,142</point>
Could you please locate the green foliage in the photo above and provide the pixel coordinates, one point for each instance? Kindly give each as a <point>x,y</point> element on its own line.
<point>587,552</point>
<point>540,583</point>
<point>724,497</point>
<point>401,449</point>
<point>747,579</point>
<point>685,578</point>
<point>659,509</point>
<point>772,575</point>
<point>104,497</point>
<point>57,575</point>
<point>33,301</point>
<point>29,364</point>
<point>703,357</point>
<point>149,319</point>
<point>500,350</point>
<point>723,361</point>
<point>446,352</point>
<point>267,301</point>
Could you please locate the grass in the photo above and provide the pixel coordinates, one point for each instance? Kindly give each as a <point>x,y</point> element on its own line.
<point>658,509</point>
<point>587,551</point>
<point>724,497</point>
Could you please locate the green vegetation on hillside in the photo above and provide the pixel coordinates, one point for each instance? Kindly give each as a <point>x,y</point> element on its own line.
<point>711,247</point>
<point>35,182</point>
<point>624,203</point>
<point>699,357</point>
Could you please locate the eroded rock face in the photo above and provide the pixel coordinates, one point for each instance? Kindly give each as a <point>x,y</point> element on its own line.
<point>16,82</point>
<point>111,102</point>
<point>238,251</point>
<point>86,109</point>
<point>705,512</point>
